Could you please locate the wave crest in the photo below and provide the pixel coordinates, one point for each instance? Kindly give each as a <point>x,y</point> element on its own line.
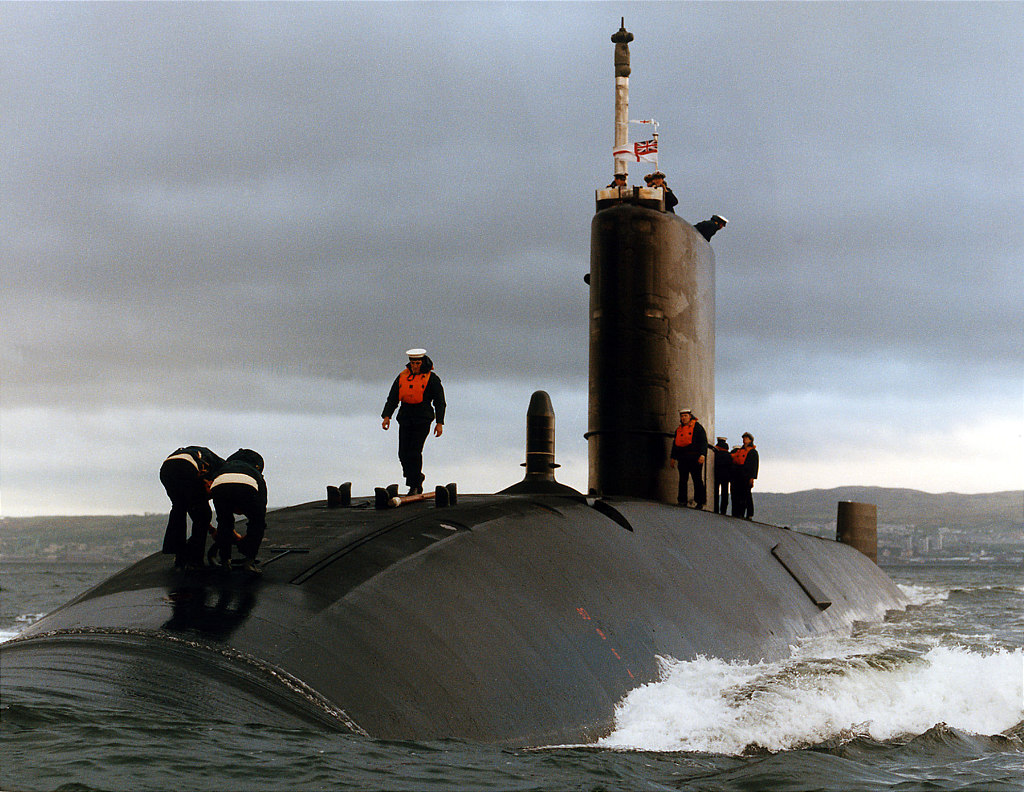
<point>709,705</point>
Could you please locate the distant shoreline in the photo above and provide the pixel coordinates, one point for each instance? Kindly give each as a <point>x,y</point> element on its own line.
<point>914,528</point>
<point>939,563</point>
<point>80,560</point>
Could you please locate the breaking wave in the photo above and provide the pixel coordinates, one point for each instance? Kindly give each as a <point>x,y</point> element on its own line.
<point>923,595</point>
<point>822,693</point>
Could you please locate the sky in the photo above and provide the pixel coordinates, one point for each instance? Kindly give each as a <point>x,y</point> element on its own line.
<point>223,224</point>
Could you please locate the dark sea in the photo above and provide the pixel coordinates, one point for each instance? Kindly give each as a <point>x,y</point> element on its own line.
<point>932,699</point>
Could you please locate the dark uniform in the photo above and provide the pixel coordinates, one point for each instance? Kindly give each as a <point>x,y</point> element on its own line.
<point>689,445</point>
<point>744,471</point>
<point>670,197</point>
<point>422,398</point>
<point>708,228</point>
<point>186,475</point>
<point>239,488</point>
<point>723,473</point>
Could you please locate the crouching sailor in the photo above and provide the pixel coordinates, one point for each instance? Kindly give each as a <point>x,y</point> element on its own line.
<point>239,488</point>
<point>186,475</point>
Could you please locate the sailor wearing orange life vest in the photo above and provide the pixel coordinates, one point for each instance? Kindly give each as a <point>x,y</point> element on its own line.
<point>690,448</point>
<point>744,471</point>
<point>418,389</point>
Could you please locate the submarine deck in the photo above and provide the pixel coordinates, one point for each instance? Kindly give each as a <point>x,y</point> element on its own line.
<point>511,618</point>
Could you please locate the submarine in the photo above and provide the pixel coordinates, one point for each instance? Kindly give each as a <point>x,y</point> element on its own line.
<point>518,618</point>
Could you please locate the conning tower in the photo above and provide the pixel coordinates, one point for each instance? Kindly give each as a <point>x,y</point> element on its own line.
<point>652,328</point>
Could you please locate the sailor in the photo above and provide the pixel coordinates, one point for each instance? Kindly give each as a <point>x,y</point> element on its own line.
<point>690,448</point>
<point>723,472</point>
<point>708,228</point>
<point>618,180</point>
<point>186,475</point>
<point>419,390</point>
<point>657,179</point>
<point>239,488</point>
<point>744,471</point>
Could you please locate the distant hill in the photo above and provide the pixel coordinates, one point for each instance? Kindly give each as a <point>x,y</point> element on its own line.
<point>993,511</point>
<point>995,516</point>
<point>90,537</point>
<point>85,528</point>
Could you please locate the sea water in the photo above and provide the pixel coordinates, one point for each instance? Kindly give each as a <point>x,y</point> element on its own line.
<point>930,699</point>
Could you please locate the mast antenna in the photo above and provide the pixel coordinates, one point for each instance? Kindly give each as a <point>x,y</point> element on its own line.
<point>621,39</point>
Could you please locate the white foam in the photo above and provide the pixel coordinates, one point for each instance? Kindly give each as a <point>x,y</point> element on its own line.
<point>24,620</point>
<point>923,595</point>
<point>719,707</point>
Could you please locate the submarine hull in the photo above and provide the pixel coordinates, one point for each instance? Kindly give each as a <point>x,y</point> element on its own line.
<point>509,619</point>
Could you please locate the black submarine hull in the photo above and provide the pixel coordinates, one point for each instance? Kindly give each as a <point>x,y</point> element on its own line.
<point>508,619</point>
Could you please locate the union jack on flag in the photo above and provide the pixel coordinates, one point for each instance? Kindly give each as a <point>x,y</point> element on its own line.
<point>644,148</point>
<point>641,151</point>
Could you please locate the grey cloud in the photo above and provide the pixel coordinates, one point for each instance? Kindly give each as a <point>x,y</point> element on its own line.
<point>201,199</point>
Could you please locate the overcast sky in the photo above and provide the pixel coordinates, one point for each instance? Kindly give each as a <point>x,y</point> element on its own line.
<point>223,224</point>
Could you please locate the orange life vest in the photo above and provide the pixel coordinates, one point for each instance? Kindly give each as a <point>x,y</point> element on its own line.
<point>684,435</point>
<point>739,456</point>
<point>411,387</point>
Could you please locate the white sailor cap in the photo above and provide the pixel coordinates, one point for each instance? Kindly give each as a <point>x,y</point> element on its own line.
<point>416,353</point>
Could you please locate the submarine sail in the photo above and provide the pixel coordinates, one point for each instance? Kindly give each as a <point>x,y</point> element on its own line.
<point>652,326</point>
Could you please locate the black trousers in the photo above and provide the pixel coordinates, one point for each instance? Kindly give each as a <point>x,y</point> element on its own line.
<point>411,438</point>
<point>691,468</point>
<point>742,499</point>
<point>188,497</point>
<point>232,499</point>
<point>722,493</point>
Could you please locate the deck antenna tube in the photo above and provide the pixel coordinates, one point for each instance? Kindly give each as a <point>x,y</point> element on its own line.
<point>540,451</point>
<point>621,40</point>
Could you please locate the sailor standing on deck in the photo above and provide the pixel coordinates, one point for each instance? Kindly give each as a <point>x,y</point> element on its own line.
<point>690,448</point>
<point>723,473</point>
<point>421,395</point>
<point>186,475</point>
<point>744,471</point>
<point>239,488</point>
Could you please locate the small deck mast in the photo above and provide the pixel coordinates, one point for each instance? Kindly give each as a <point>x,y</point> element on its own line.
<point>621,39</point>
